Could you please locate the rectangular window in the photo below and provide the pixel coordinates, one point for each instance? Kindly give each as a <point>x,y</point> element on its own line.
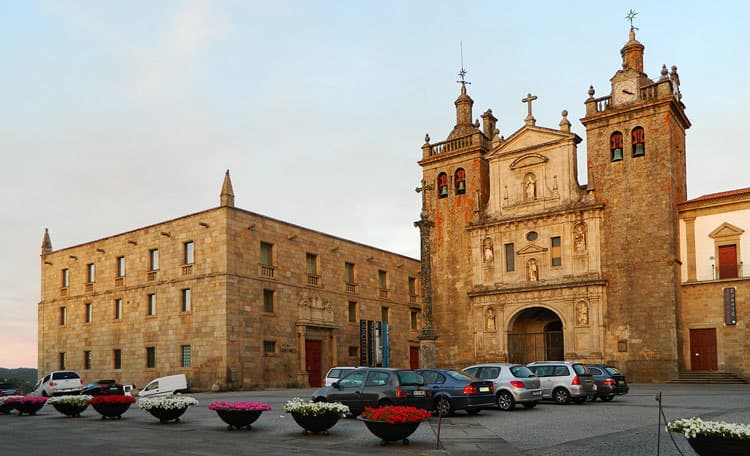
<point>63,316</point>
<point>89,312</point>
<point>352,312</point>
<point>189,252</point>
<point>311,262</point>
<point>121,266</point>
<point>510,258</point>
<point>383,280</point>
<point>117,356</point>
<point>269,347</point>
<point>87,360</point>
<point>353,351</point>
<point>349,272</point>
<point>90,273</point>
<point>187,356</point>
<point>412,286</point>
<point>413,314</point>
<point>555,251</point>
<point>187,297</point>
<point>153,260</point>
<point>266,254</point>
<point>61,360</point>
<point>150,357</point>
<point>65,278</point>
<point>118,309</point>
<point>268,301</point>
<point>384,314</point>
<point>151,304</point>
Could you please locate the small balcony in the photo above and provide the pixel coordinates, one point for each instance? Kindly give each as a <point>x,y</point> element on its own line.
<point>351,287</point>
<point>90,287</point>
<point>119,282</point>
<point>187,270</point>
<point>383,293</point>
<point>313,280</point>
<point>267,271</point>
<point>412,299</point>
<point>151,276</point>
<point>64,291</point>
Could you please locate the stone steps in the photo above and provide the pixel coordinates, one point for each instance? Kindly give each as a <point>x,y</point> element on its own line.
<point>707,377</point>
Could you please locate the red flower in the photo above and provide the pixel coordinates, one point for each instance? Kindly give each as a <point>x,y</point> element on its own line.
<point>113,399</point>
<point>395,414</point>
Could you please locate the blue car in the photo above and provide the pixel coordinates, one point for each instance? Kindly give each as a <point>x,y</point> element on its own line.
<point>452,390</point>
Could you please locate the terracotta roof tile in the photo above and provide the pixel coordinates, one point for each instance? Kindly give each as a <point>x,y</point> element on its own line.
<point>710,196</point>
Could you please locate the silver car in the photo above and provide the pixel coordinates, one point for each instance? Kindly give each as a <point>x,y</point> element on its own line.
<point>564,381</point>
<point>514,384</point>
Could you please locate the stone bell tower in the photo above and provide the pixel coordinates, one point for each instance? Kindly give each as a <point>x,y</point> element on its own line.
<point>636,167</point>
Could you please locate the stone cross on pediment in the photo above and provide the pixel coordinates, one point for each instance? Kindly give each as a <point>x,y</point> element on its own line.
<point>529,120</point>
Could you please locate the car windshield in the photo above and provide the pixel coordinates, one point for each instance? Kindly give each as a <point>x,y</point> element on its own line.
<point>612,371</point>
<point>458,375</point>
<point>521,372</point>
<point>64,375</point>
<point>409,378</point>
<point>581,369</point>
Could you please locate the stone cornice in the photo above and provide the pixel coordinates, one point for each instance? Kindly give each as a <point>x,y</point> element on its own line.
<point>530,287</point>
<point>541,216</point>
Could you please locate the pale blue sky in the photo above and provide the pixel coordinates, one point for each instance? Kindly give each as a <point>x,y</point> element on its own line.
<point>120,115</point>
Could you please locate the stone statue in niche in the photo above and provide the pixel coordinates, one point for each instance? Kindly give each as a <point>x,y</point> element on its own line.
<point>579,240</point>
<point>532,270</point>
<point>530,186</point>
<point>489,319</point>
<point>582,313</point>
<point>489,253</point>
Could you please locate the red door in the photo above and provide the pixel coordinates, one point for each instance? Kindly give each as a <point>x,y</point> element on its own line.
<point>703,350</point>
<point>312,362</point>
<point>728,261</point>
<point>413,358</point>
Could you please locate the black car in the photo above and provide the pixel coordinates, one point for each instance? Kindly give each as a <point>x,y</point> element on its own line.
<point>377,387</point>
<point>102,388</point>
<point>452,390</point>
<point>609,382</point>
<point>10,389</point>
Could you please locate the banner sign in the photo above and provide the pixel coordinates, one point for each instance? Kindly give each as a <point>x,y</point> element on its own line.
<point>730,308</point>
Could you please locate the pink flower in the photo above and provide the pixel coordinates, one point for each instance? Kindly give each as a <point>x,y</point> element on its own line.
<point>239,406</point>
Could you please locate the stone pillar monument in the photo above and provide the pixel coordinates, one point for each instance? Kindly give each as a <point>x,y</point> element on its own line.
<point>428,336</point>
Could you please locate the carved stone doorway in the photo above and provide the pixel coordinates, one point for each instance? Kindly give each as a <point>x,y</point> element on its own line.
<point>535,334</point>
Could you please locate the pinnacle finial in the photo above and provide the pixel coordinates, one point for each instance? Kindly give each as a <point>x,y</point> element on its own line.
<point>46,242</point>
<point>227,192</point>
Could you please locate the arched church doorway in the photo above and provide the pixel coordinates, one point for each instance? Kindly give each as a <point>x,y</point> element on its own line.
<point>535,334</point>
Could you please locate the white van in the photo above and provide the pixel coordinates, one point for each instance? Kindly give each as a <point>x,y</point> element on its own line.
<point>161,386</point>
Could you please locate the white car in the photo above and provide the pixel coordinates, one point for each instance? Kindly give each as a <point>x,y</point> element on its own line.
<point>58,383</point>
<point>335,373</point>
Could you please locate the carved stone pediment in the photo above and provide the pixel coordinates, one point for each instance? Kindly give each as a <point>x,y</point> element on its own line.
<point>531,249</point>
<point>528,160</point>
<point>314,311</point>
<point>726,230</point>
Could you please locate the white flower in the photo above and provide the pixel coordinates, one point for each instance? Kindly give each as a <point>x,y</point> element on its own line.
<point>302,407</point>
<point>167,402</point>
<point>692,427</point>
<point>82,399</point>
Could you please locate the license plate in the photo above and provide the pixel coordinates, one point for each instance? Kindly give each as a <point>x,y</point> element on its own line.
<point>419,393</point>
<point>484,389</point>
<point>536,393</point>
<point>621,382</point>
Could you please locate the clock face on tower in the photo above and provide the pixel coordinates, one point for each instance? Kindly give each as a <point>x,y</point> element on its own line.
<point>625,92</point>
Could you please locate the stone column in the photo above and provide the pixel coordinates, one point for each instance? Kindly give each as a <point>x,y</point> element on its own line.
<point>428,336</point>
<point>302,377</point>
<point>334,349</point>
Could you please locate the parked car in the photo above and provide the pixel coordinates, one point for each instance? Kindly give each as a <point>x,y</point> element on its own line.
<point>609,382</point>
<point>10,389</point>
<point>563,381</point>
<point>335,373</point>
<point>514,384</point>
<point>58,383</point>
<point>162,386</point>
<point>376,387</point>
<point>102,388</point>
<point>129,390</point>
<point>452,390</point>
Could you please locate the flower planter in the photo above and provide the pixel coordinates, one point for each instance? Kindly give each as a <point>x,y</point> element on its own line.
<point>166,415</point>
<point>6,408</point>
<point>237,419</point>
<point>719,446</point>
<point>28,406</point>
<point>316,423</point>
<point>73,410</point>
<point>391,432</point>
<point>110,410</point>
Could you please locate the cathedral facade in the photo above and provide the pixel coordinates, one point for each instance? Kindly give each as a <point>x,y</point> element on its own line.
<point>528,264</point>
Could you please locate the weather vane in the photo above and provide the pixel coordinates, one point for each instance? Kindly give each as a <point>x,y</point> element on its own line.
<point>462,73</point>
<point>631,15</point>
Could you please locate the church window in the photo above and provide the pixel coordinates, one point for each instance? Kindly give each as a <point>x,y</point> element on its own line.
<point>121,266</point>
<point>187,300</point>
<point>118,308</point>
<point>510,258</point>
<point>460,181</point>
<point>150,357</point>
<point>352,312</point>
<point>268,301</point>
<point>61,359</point>
<point>555,251</point>
<point>532,236</point>
<point>639,142</point>
<point>63,316</point>
<point>151,309</point>
<point>117,358</point>
<point>65,278</point>
<point>89,315</point>
<point>266,254</point>
<point>442,183</point>
<point>153,256</point>
<point>384,313</point>
<point>349,273</point>
<point>187,356</point>
<point>87,359</point>
<point>269,347</point>
<point>189,252</point>
<point>90,273</point>
<point>615,146</point>
<point>413,315</point>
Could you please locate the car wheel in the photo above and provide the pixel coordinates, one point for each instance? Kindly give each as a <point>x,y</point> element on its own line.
<point>580,400</point>
<point>473,411</point>
<point>608,398</point>
<point>384,403</point>
<point>44,393</point>
<point>561,396</point>
<point>591,397</point>
<point>443,406</point>
<point>505,401</point>
<point>529,405</point>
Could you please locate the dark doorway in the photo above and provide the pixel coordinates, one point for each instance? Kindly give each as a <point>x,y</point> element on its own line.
<point>312,362</point>
<point>413,358</point>
<point>703,350</point>
<point>535,335</point>
<point>728,261</point>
